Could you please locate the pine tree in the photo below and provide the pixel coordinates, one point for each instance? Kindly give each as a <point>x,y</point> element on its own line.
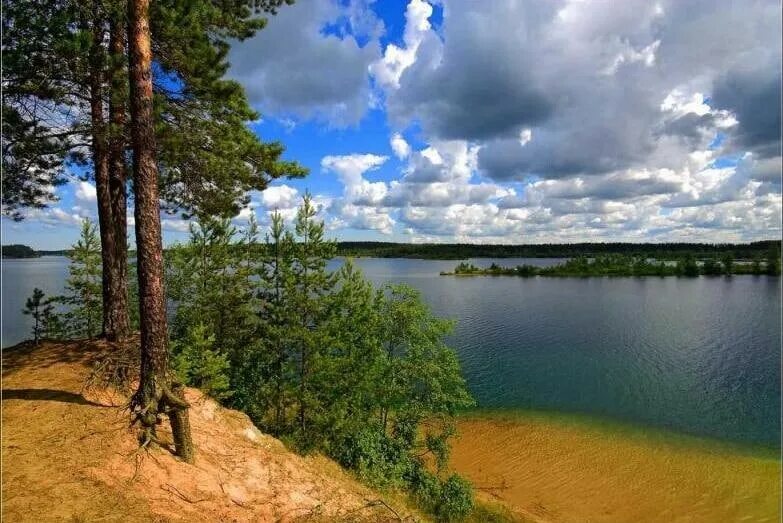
<point>346,377</point>
<point>41,311</point>
<point>59,63</point>
<point>203,133</point>
<point>198,364</point>
<point>208,279</point>
<point>269,362</point>
<point>156,393</point>
<point>728,263</point>
<point>41,46</point>
<point>83,285</point>
<point>310,284</point>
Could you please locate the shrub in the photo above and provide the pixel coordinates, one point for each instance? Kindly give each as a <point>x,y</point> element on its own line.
<point>456,499</point>
<point>198,364</point>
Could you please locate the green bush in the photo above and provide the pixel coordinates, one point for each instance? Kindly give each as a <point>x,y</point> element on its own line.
<point>377,458</point>
<point>456,499</point>
<point>450,500</point>
<point>198,364</point>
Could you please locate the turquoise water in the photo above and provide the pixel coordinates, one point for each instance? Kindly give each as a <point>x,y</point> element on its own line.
<point>696,355</point>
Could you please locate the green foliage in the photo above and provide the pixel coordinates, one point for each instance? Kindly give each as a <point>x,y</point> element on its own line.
<point>773,260</point>
<point>376,456</point>
<point>456,499</point>
<point>207,281</point>
<point>19,251</point>
<point>688,267</point>
<point>41,46</point>
<point>711,267</point>
<point>455,251</point>
<point>728,263</point>
<point>319,358</point>
<point>621,265</point>
<point>198,364</point>
<point>42,312</point>
<point>449,500</point>
<point>209,157</point>
<point>83,298</point>
<point>466,268</point>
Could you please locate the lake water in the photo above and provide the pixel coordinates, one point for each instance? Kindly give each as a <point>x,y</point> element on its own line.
<point>696,355</point>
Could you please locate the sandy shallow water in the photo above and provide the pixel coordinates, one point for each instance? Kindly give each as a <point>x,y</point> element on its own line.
<point>558,468</point>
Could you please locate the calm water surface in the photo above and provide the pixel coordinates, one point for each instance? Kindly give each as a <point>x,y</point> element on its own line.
<point>697,355</point>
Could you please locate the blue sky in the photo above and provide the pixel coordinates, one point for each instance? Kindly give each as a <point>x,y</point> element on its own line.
<point>509,122</point>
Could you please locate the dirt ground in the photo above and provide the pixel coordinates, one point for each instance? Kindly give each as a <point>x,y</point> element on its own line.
<point>70,456</point>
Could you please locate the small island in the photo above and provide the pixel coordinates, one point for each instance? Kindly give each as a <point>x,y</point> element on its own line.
<point>621,265</point>
<point>19,251</point>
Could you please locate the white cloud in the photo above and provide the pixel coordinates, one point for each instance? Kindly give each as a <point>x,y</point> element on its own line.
<point>294,67</point>
<point>350,170</point>
<point>175,225</point>
<point>525,135</point>
<point>400,146</point>
<point>630,55</point>
<point>564,121</point>
<point>388,69</point>
<point>280,197</point>
<point>85,191</point>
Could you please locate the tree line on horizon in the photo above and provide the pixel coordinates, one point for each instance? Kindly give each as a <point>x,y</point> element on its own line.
<point>625,265</point>
<point>457,251</point>
<point>460,251</point>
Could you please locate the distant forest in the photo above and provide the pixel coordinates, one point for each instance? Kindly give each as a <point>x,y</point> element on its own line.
<point>461,251</point>
<point>19,251</point>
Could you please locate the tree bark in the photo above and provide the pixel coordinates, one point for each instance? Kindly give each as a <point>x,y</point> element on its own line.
<point>100,157</point>
<point>153,397</point>
<point>119,318</point>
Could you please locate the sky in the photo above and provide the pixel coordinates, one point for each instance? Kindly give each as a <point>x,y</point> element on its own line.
<point>508,122</point>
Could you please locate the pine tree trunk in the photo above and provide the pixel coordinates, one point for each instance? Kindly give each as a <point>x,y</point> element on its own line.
<point>100,157</point>
<point>153,395</point>
<point>118,313</point>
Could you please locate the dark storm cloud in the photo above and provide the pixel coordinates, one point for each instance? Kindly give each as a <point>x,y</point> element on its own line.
<point>480,83</point>
<point>754,97</point>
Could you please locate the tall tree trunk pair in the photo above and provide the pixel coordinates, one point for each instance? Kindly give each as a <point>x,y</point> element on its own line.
<point>155,394</point>
<point>110,178</point>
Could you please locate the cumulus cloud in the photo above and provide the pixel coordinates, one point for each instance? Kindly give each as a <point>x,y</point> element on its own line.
<point>753,95</point>
<point>296,67</point>
<point>400,146</point>
<point>597,83</point>
<point>358,208</point>
<point>280,197</point>
<point>395,60</point>
<point>85,192</point>
<point>540,121</point>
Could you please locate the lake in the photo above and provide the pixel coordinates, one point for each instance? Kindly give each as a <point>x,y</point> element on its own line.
<point>695,355</point>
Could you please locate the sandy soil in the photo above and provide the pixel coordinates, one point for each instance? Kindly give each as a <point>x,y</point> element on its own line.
<point>552,469</point>
<point>71,456</point>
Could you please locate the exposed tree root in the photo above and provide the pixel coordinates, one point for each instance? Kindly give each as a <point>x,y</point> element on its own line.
<point>147,410</point>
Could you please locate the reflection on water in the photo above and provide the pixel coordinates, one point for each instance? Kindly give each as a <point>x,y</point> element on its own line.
<point>696,355</point>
